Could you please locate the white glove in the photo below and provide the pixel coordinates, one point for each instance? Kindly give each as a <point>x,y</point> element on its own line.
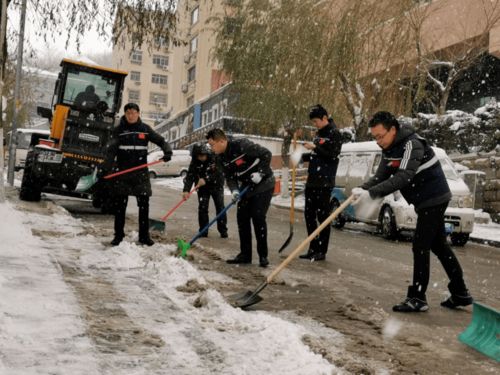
<point>256,177</point>
<point>235,195</point>
<point>359,194</point>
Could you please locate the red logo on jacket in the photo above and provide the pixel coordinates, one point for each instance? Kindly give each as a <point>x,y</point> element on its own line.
<point>239,162</point>
<point>142,136</point>
<point>395,163</point>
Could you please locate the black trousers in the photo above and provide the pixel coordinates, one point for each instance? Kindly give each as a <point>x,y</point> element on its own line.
<point>317,209</point>
<point>120,205</point>
<point>253,210</point>
<point>430,236</point>
<point>203,203</point>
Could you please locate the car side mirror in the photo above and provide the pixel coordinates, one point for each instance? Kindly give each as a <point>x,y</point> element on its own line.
<point>44,112</point>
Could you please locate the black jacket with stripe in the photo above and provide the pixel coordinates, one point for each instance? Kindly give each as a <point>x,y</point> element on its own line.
<point>411,166</point>
<point>243,157</point>
<point>209,170</point>
<point>324,158</point>
<point>128,148</point>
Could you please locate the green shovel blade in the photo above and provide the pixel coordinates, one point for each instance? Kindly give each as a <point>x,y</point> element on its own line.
<point>183,247</point>
<point>86,182</point>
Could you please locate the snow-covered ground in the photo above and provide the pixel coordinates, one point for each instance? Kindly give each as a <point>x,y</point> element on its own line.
<point>71,305</point>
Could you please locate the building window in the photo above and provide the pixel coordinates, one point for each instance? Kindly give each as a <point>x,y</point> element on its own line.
<point>195,15</point>
<point>193,45</point>
<point>190,101</point>
<point>157,99</point>
<point>192,74</point>
<point>161,42</point>
<point>136,57</point>
<point>204,118</point>
<point>134,95</point>
<point>159,78</point>
<point>135,76</point>
<point>215,111</point>
<point>160,61</point>
<point>209,119</point>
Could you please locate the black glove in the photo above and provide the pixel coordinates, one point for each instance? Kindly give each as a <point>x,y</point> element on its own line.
<point>166,158</point>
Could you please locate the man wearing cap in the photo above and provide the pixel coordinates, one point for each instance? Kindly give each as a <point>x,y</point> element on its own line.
<point>128,148</point>
<point>323,161</point>
<point>207,176</point>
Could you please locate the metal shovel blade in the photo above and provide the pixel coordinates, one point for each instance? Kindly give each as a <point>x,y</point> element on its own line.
<point>244,299</point>
<point>183,247</point>
<point>287,242</point>
<point>86,182</point>
<point>158,225</point>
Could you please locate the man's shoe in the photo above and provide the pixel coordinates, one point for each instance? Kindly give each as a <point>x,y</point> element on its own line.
<point>263,262</point>
<point>318,257</point>
<point>411,305</point>
<point>455,301</point>
<point>307,255</point>
<point>147,241</point>
<point>224,235</point>
<point>239,259</point>
<point>116,241</point>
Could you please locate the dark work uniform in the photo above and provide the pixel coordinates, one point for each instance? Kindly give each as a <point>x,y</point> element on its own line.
<point>241,158</point>
<point>411,166</point>
<point>129,148</point>
<point>323,161</point>
<point>211,172</point>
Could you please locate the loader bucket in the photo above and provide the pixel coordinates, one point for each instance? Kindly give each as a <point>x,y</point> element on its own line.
<point>183,247</point>
<point>483,332</point>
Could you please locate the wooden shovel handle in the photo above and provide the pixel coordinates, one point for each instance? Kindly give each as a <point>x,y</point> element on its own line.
<point>304,243</point>
<point>294,171</point>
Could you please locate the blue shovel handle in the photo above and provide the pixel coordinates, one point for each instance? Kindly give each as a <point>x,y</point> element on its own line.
<point>200,233</point>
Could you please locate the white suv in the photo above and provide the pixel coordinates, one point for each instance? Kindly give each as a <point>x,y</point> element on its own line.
<point>359,161</point>
<point>178,166</point>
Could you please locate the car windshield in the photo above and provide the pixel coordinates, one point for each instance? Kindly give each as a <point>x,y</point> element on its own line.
<point>448,169</point>
<point>90,85</point>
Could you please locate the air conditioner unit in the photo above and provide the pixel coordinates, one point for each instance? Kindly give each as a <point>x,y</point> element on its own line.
<point>184,87</point>
<point>137,83</point>
<point>164,67</point>
<point>187,58</point>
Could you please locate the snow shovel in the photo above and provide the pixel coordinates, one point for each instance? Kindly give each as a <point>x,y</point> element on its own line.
<point>483,332</point>
<point>249,298</point>
<point>292,200</point>
<point>160,224</point>
<point>86,182</point>
<point>184,246</point>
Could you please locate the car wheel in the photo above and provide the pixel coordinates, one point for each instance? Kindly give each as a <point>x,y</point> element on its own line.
<point>459,239</point>
<point>340,220</point>
<point>388,223</point>
<point>183,173</point>
<point>152,174</point>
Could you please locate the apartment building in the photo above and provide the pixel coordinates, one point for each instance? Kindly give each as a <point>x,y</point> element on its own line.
<point>148,81</point>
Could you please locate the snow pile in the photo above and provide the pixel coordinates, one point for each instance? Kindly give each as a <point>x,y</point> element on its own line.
<point>141,296</point>
<point>391,328</point>
<point>40,326</point>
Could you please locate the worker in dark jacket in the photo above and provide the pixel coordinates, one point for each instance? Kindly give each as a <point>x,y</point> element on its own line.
<point>410,166</point>
<point>129,148</point>
<point>323,161</point>
<point>247,164</point>
<point>207,176</point>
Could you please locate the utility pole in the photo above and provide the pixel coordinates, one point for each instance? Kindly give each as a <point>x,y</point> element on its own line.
<point>19,72</point>
<point>3,28</point>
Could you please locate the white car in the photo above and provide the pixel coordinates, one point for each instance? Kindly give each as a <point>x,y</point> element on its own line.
<point>23,143</point>
<point>359,162</point>
<point>178,166</point>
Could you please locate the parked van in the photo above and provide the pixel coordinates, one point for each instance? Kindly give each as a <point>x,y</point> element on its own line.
<point>178,166</point>
<point>23,143</point>
<point>359,162</point>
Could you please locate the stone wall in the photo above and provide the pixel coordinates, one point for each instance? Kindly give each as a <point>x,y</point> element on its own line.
<point>489,164</point>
